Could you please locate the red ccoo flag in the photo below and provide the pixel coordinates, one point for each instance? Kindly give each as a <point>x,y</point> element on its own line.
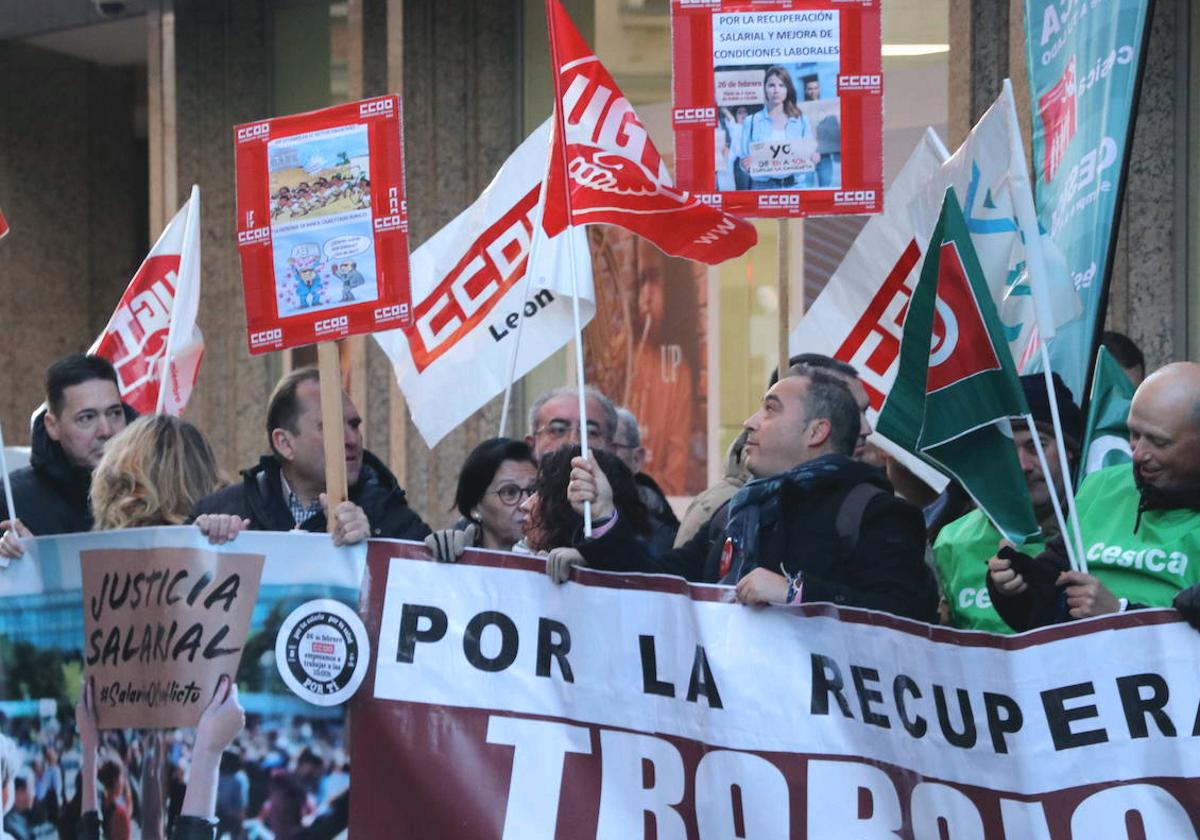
<point>604,167</point>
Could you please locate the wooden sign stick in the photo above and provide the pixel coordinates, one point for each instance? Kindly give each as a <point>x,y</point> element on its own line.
<point>784,266</point>
<point>332,425</point>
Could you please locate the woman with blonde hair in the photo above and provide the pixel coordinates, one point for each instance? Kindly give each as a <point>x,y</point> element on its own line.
<point>152,473</point>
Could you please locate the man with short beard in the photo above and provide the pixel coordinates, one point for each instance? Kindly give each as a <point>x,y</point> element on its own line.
<point>1140,522</point>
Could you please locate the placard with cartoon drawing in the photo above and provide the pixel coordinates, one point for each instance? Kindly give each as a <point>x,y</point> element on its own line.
<point>322,224</point>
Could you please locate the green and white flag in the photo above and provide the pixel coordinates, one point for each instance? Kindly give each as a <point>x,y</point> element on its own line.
<point>956,387</point>
<point>1106,441</point>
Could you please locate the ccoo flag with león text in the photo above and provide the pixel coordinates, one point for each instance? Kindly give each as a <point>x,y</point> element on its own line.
<point>956,387</point>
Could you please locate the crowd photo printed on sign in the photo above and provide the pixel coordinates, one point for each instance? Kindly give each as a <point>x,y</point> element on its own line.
<point>323,225</point>
<point>778,106</point>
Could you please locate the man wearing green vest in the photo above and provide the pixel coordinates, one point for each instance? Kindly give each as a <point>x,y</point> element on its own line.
<point>963,547</point>
<point>1140,522</point>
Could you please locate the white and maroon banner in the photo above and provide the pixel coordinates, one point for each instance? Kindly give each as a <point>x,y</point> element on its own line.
<point>471,293</point>
<point>605,168</point>
<point>501,705</point>
<point>152,339</point>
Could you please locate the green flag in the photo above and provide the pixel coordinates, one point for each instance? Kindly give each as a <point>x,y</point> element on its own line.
<point>1106,441</point>
<point>956,386</point>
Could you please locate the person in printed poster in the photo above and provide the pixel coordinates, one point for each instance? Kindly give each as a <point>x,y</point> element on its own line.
<point>780,119</point>
<point>1140,523</point>
<point>84,412</point>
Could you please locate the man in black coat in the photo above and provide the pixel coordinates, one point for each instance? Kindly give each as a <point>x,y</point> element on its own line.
<point>815,525</point>
<point>84,411</point>
<point>286,490</point>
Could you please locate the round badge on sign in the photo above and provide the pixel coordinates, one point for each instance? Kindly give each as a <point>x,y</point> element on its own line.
<point>322,652</point>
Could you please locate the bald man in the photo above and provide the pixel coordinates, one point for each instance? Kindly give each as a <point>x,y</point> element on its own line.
<point>1140,522</point>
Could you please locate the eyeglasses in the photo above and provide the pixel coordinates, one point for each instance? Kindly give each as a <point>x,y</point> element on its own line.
<point>511,494</point>
<point>559,429</point>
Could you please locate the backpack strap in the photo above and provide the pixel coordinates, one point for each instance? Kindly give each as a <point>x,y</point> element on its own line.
<point>850,514</point>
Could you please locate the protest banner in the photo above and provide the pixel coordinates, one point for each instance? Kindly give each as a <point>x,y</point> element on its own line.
<point>322,224</point>
<point>162,625</point>
<point>1085,66</point>
<point>473,287</point>
<point>594,708</point>
<point>43,647</point>
<point>778,110</point>
<point>152,339</point>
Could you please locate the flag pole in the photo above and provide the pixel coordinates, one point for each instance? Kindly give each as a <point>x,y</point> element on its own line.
<point>1068,484</point>
<point>1058,512</point>
<point>8,496</point>
<point>536,236</point>
<point>579,378</point>
<point>784,260</point>
<point>333,427</point>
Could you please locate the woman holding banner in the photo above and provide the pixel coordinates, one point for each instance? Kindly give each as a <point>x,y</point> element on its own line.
<point>778,149</point>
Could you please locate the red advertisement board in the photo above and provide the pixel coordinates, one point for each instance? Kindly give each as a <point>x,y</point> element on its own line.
<point>322,224</point>
<point>778,105</point>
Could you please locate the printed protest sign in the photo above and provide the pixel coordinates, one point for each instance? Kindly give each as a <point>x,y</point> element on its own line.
<point>778,111</point>
<point>582,710</point>
<point>323,224</point>
<point>161,627</point>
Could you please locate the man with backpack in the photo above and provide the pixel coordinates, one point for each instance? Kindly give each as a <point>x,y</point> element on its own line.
<point>814,525</point>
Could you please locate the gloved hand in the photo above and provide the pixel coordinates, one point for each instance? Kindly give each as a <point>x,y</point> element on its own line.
<point>559,562</point>
<point>1037,573</point>
<point>448,545</point>
<point>1188,604</point>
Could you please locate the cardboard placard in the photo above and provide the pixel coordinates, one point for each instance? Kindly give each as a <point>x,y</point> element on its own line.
<point>161,625</point>
<point>725,56</point>
<point>782,159</point>
<point>323,224</point>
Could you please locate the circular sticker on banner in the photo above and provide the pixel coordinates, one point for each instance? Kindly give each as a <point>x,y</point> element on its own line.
<point>322,652</point>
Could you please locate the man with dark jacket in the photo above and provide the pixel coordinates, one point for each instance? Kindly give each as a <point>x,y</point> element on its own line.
<point>84,411</point>
<point>815,525</point>
<point>286,490</point>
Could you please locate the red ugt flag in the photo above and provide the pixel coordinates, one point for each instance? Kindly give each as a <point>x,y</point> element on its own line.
<point>604,167</point>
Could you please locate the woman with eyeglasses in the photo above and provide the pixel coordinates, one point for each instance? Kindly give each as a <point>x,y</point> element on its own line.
<point>496,478</point>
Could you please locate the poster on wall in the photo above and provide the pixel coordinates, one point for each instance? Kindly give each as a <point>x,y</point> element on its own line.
<point>322,224</point>
<point>778,106</point>
<point>646,348</point>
